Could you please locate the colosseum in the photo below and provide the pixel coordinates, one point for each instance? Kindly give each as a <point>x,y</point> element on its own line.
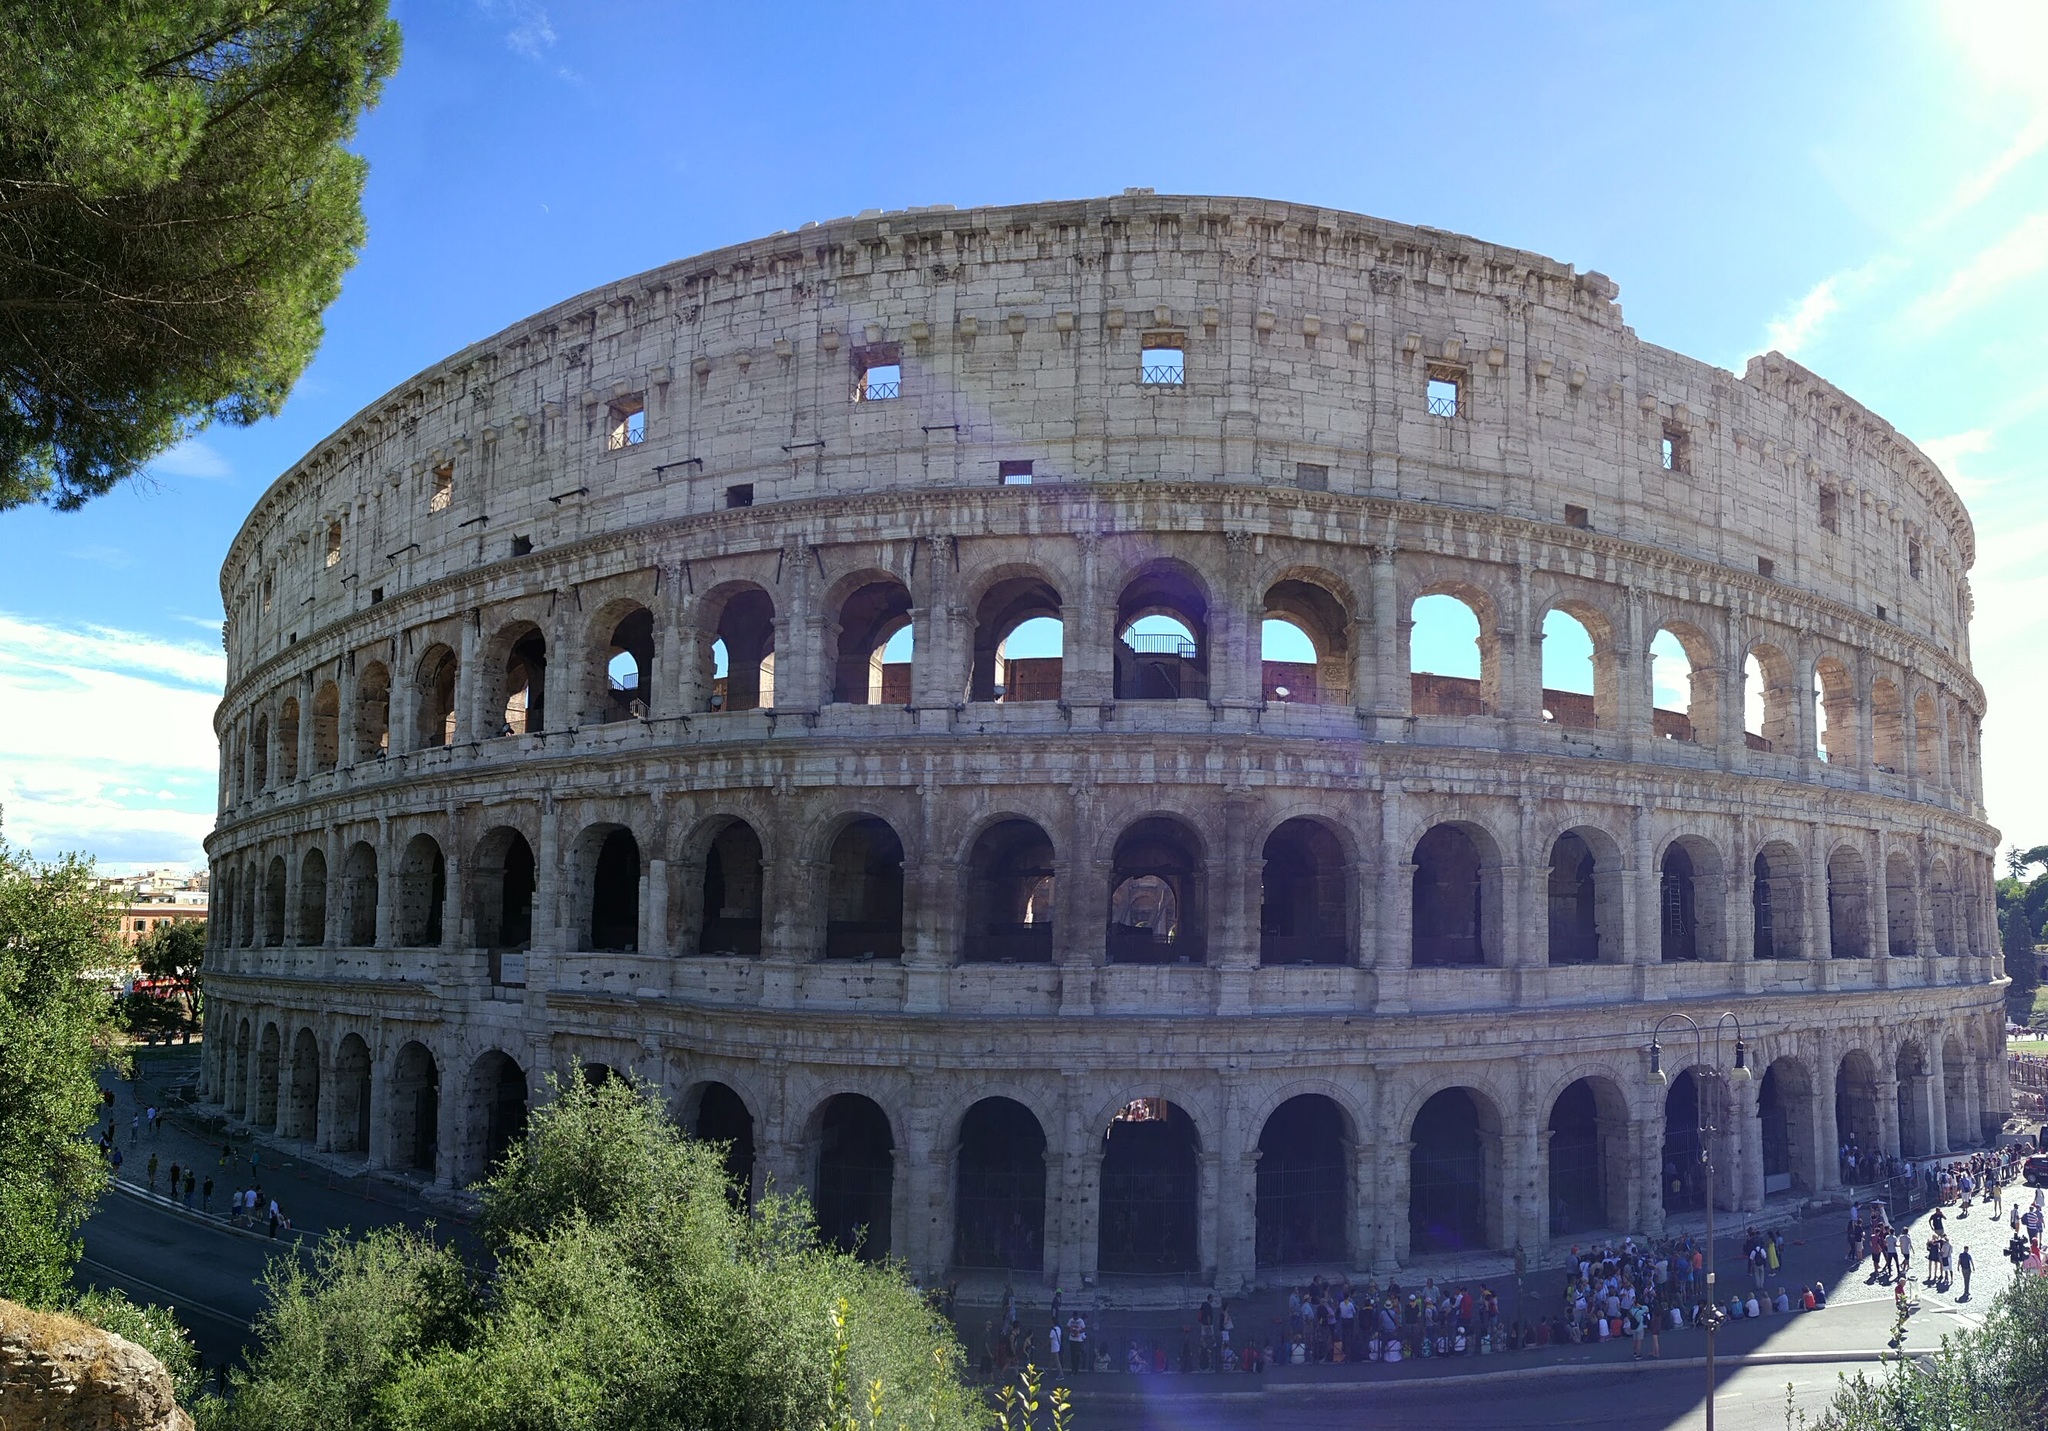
<point>1148,737</point>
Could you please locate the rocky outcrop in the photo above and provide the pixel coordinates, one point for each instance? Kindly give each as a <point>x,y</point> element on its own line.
<point>60,1374</point>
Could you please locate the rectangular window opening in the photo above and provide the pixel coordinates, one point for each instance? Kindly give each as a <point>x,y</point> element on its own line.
<point>522,546</point>
<point>1445,389</point>
<point>1676,449</point>
<point>268,591</point>
<point>1830,510</point>
<point>334,543</point>
<point>1312,476</point>
<point>626,423</point>
<point>877,372</point>
<point>1578,517</point>
<point>1765,566</point>
<point>1015,474</point>
<point>376,595</point>
<point>1162,363</point>
<point>740,494</point>
<point>444,488</point>
<point>1913,559</point>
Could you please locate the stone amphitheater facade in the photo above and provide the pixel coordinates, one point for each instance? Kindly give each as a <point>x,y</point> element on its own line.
<point>570,721</point>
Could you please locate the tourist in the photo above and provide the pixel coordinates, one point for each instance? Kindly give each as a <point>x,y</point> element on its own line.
<point>206,1195</point>
<point>152,1172</point>
<point>1965,1264</point>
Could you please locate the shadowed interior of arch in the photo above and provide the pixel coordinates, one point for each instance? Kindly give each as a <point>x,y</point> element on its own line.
<point>1303,1184</point>
<point>1009,896</point>
<point>1151,1190</point>
<point>1000,1188</point>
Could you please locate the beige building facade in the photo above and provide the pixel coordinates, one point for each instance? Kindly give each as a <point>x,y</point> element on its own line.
<point>943,697</point>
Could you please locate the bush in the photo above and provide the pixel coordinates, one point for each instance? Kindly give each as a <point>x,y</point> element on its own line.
<point>627,1289</point>
<point>1991,1379</point>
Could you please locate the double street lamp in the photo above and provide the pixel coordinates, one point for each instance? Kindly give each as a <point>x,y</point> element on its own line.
<point>1706,1127</point>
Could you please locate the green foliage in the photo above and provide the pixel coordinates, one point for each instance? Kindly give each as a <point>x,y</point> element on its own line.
<point>335,1334</point>
<point>1991,1379</point>
<point>155,1329</point>
<point>2020,961</point>
<point>629,1292</point>
<point>56,1031</point>
<point>176,213</point>
<point>173,953</point>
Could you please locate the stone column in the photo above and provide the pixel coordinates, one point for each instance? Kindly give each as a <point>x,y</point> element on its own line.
<point>1888,1112</point>
<point>1523,1202</point>
<point>1649,1141</point>
<point>1390,685</point>
<point>1390,1246</point>
<point>1365,1212</point>
<point>1088,640</point>
<point>1815,905</point>
<point>547,880</point>
<point>324,1110</point>
<point>1829,1163</point>
<point>451,1126</point>
<point>293,871</point>
<point>378,1154</point>
<point>1749,1141</point>
<point>1938,1131</point>
<point>468,690</point>
<point>1237,1218</point>
<point>1643,917</point>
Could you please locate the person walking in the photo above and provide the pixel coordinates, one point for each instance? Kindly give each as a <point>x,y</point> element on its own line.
<point>177,1181</point>
<point>134,1129</point>
<point>152,1172</point>
<point>1052,1336</point>
<point>189,1183</point>
<point>206,1195</point>
<point>152,1120</point>
<point>1965,1264</point>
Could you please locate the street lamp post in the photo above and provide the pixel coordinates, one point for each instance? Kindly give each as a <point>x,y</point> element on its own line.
<point>1703,1130</point>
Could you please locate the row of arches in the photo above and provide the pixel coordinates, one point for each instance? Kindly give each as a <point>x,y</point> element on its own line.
<point>1318,1172</point>
<point>1009,901</point>
<point>1162,637</point>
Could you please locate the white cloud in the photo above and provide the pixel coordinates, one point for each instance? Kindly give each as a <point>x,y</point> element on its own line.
<point>1948,453</point>
<point>108,744</point>
<point>2031,139</point>
<point>2020,254</point>
<point>191,458</point>
<point>1800,326</point>
<point>530,29</point>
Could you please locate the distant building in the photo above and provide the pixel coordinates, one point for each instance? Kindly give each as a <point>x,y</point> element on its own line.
<point>156,899</point>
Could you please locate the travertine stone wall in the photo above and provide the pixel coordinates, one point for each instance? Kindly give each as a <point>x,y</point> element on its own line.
<point>1300,454</point>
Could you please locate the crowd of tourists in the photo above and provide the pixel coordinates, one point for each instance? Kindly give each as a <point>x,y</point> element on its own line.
<point>184,1185</point>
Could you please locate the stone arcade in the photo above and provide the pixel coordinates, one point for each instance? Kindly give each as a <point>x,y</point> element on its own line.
<point>943,696</point>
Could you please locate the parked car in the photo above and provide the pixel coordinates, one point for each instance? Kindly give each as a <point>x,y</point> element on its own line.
<point>2034,1172</point>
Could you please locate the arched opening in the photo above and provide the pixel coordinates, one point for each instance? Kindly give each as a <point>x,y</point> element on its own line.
<point>1682,677</point>
<point>872,665</point>
<point>1586,1183</point>
<point>288,740</point>
<point>1916,1136</point>
<point>1009,895</point>
<point>1304,646</point>
<point>1678,907</point>
<point>864,892</point>
<point>523,679</point>
<point>1776,911</point>
<point>1848,911</point>
<point>497,1110</point>
<point>238,1076</point>
<point>1926,740</point>
<point>1449,674</point>
<point>1449,914</point>
<point>1901,905</point>
<point>1019,643</point>
<point>352,1095</point>
<point>1156,892</point>
<point>434,699</point>
<point>628,681</point>
<point>1151,1191</point>
<point>1162,626</point>
<point>1856,1116</point>
<point>730,921</point>
<point>1303,1197</point>
<point>373,713</point>
<point>1887,727</point>
<point>274,903</point>
<point>1304,895</point>
<point>1834,697</point>
<point>1000,1194</point>
<point>1571,688</point>
<point>311,928</point>
<point>422,894</point>
<point>1944,910</point>
<point>721,1116</point>
<point>300,1116</point>
<point>1685,1169</point>
<point>359,895</point>
<point>1449,1177</point>
<point>1955,1087</point>
<point>259,756</point>
<point>739,658</point>
<point>326,728</point>
<point>615,893</point>
<point>1770,717</point>
<point>855,1177</point>
<point>1784,1108</point>
<point>503,878</point>
<point>415,1109</point>
<point>1575,913</point>
<point>269,1055</point>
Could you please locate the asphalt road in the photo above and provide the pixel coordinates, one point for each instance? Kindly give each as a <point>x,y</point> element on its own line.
<point>210,1275</point>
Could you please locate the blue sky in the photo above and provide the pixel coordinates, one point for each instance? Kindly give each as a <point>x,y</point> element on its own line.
<point>1862,185</point>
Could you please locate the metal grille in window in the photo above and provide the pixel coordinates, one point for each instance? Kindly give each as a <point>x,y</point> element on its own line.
<point>1163,367</point>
